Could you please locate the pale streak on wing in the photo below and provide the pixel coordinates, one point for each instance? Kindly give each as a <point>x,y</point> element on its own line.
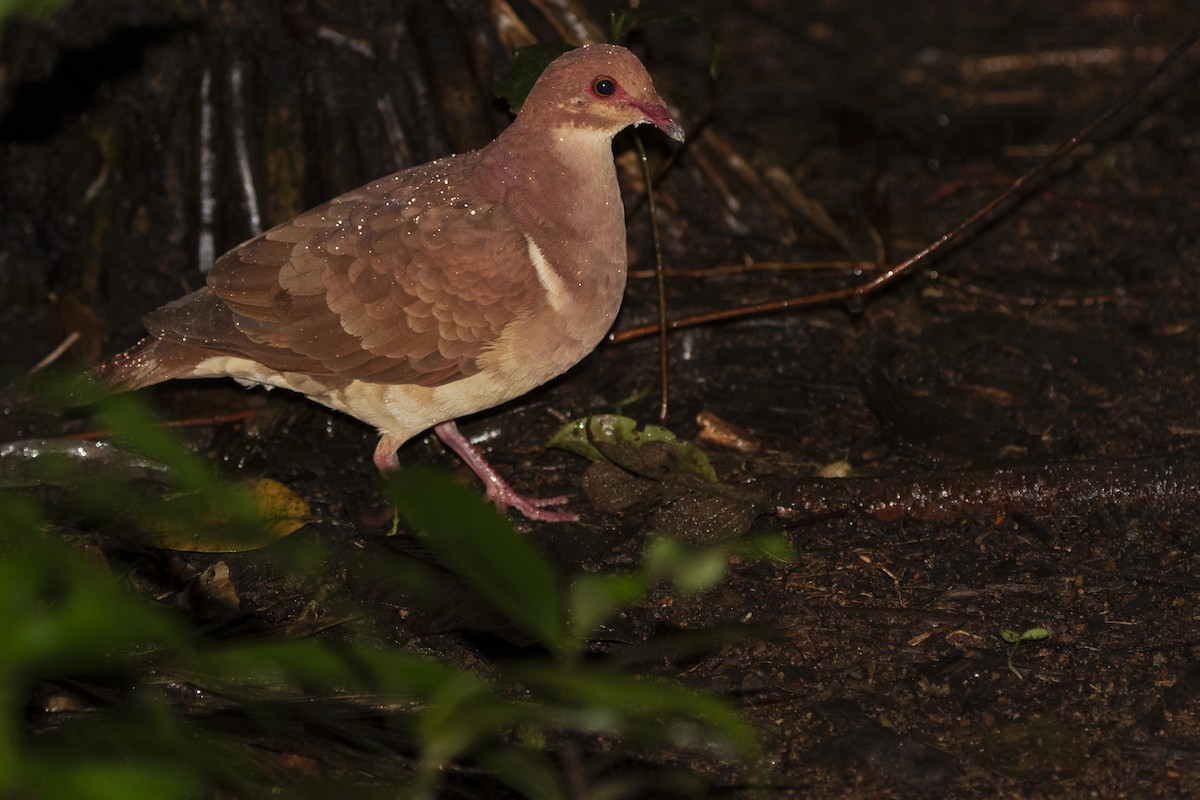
<point>557,292</point>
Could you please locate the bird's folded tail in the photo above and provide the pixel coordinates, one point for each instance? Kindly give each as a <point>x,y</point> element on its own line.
<point>148,362</point>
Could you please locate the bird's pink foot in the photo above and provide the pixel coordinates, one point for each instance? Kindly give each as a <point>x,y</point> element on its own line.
<point>503,496</point>
<point>499,491</point>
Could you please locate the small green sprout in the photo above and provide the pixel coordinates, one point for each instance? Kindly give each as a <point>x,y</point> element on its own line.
<point>1015,639</point>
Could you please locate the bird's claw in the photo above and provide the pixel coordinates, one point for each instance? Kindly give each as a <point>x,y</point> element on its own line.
<point>535,508</point>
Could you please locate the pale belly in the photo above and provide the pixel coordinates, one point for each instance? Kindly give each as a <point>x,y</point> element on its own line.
<point>402,411</point>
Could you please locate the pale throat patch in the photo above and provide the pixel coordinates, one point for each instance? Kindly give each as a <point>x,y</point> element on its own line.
<point>586,137</point>
<point>557,292</point>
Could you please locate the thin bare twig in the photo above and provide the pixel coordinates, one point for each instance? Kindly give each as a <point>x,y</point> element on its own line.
<point>56,353</point>
<point>210,421</point>
<point>1026,301</point>
<point>660,273</point>
<point>758,266</point>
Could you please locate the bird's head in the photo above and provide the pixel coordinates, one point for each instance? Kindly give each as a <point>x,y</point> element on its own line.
<point>602,88</point>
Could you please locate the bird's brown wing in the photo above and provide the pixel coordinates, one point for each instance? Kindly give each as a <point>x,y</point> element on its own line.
<point>368,290</point>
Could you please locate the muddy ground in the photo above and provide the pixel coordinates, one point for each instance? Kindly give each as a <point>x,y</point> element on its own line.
<point>1046,367</point>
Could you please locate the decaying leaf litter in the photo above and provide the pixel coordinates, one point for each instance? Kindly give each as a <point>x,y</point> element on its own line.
<point>1063,334</point>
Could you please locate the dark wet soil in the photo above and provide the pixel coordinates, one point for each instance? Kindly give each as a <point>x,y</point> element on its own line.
<point>1065,333</point>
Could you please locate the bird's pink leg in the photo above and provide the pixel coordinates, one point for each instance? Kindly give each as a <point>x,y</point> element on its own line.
<point>385,453</point>
<point>499,491</point>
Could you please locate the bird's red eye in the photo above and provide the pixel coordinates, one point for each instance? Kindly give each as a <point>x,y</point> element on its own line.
<point>604,87</point>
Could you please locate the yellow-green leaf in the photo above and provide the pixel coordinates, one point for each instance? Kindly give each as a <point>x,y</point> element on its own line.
<point>580,437</point>
<point>202,523</point>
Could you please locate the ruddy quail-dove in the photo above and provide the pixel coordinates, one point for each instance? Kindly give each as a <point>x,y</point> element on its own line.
<point>436,292</point>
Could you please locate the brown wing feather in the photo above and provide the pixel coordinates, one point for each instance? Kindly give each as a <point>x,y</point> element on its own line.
<point>367,288</point>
